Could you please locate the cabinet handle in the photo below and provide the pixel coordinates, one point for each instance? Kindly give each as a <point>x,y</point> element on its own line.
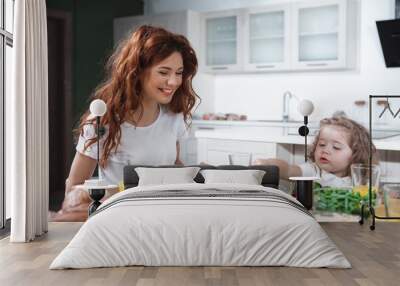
<point>317,65</point>
<point>265,66</point>
<point>206,128</point>
<point>220,68</point>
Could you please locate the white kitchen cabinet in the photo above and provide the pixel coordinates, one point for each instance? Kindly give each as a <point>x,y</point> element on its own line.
<point>390,167</point>
<point>181,22</point>
<point>298,154</point>
<point>267,38</point>
<point>319,34</point>
<point>304,35</point>
<point>222,49</point>
<point>216,151</point>
<point>189,152</point>
<point>189,145</point>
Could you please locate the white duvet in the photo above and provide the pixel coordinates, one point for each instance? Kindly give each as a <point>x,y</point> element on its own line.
<point>200,231</point>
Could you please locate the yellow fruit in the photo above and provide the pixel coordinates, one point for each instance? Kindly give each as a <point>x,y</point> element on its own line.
<point>363,190</point>
<point>121,186</point>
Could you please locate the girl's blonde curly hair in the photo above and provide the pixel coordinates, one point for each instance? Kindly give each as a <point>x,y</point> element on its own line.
<point>359,139</point>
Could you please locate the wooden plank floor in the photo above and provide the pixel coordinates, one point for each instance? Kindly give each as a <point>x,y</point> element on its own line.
<point>374,255</point>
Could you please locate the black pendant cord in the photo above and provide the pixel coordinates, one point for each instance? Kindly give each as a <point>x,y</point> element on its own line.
<point>304,191</point>
<point>370,153</point>
<point>370,206</point>
<point>98,144</point>
<point>96,194</point>
<point>305,148</point>
<point>303,131</point>
<point>305,138</point>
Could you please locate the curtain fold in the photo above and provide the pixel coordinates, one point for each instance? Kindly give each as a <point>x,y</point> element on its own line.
<point>29,103</point>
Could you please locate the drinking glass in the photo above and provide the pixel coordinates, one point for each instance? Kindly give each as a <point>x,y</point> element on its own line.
<point>392,199</point>
<point>360,178</point>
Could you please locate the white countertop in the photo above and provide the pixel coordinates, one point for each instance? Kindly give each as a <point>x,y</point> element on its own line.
<point>278,123</point>
<point>255,123</point>
<point>278,135</point>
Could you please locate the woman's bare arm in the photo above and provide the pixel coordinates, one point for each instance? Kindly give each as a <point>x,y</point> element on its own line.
<point>82,168</point>
<point>285,170</point>
<point>178,151</point>
<point>76,200</point>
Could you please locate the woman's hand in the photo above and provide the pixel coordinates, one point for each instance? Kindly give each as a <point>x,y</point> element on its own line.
<point>74,198</point>
<point>178,152</point>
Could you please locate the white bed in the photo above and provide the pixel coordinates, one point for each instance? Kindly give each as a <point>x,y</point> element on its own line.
<point>264,229</point>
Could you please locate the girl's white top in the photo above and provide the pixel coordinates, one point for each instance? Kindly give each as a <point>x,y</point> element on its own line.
<point>325,178</point>
<point>154,144</point>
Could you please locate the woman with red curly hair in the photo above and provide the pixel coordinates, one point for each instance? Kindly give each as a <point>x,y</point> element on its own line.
<point>149,97</point>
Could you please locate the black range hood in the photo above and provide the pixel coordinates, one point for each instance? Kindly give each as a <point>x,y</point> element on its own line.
<point>389,34</point>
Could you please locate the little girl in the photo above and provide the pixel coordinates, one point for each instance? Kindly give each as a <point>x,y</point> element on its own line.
<point>339,143</point>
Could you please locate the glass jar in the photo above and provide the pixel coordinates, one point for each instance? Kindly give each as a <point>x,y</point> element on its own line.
<point>392,199</point>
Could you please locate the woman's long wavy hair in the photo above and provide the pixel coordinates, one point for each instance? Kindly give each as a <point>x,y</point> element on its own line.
<point>122,88</point>
<point>359,140</point>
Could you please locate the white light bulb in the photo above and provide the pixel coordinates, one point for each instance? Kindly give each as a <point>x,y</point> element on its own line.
<point>98,107</point>
<point>305,107</point>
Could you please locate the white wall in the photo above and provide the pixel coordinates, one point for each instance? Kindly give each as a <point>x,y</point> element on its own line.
<point>260,95</point>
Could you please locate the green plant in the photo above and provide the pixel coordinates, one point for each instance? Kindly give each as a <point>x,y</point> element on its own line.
<point>342,200</point>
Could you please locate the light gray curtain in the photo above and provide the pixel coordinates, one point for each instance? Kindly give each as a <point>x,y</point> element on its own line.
<point>28,123</point>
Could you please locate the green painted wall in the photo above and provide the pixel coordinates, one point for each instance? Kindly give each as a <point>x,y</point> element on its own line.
<point>65,5</point>
<point>92,41</point>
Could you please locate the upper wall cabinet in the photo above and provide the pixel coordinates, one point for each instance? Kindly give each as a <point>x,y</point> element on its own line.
<point>222,48</point>
<point>267,38</point>
<point>181,22</point>
<point>319,34</point>
<point>294,36</point>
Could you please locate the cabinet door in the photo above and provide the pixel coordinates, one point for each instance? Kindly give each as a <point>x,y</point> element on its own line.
<point>176,22</point>
<point>319,34</point>
<point>217,151</point>
<point>125,25</point>
<point>222,41</point>
<point>267,38</point>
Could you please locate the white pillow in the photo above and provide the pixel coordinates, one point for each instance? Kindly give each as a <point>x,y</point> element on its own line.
<point>163,176</point>
<point>249,177</point>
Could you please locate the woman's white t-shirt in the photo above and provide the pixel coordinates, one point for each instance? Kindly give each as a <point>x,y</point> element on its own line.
<point>154,144</point>
<point>325,178</point>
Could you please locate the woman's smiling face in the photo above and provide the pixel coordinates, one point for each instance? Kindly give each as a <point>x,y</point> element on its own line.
<point>162,79</point>
<point>333,153</point>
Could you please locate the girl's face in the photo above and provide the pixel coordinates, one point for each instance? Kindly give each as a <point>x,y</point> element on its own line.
<point>162,79</point>
<point>333,153</point>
